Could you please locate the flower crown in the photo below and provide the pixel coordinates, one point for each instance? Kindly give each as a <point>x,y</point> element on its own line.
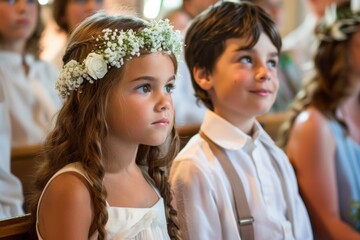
<point>113,48</point>
<point>336,26</point>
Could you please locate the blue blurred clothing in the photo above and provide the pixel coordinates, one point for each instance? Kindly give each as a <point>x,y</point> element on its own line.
<point>347,172</point>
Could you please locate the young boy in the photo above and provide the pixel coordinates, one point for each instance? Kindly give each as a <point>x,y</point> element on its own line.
<point>232,52</point>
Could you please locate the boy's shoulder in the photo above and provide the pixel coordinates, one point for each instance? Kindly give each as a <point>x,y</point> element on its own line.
<point>195,156</point>
<point>192,150</point>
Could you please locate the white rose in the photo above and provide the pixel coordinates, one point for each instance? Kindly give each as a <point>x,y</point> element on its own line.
<point>95,65</point>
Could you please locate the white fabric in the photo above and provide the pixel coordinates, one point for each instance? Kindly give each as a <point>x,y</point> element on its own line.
<point>31,98</point>
<point>204,196</point>
<point>302,45</point>
<point>11,196</point>
<point>187,111</point>
<point>125,223</point>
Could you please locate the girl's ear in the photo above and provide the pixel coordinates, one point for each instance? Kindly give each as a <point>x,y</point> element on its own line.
<point>202,78</point>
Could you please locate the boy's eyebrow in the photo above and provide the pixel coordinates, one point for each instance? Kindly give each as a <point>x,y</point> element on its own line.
<point>150,78</point>
<point>272,54</point>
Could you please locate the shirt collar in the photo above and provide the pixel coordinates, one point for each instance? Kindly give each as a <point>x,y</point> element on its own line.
<point>16,58</point>
<point>227,135</point>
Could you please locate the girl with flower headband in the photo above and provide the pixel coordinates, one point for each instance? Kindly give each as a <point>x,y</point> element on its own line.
<point>105,173</point>
<point>322,138</point>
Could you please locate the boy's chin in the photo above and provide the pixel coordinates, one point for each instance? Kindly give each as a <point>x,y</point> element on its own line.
<point>263,110</point>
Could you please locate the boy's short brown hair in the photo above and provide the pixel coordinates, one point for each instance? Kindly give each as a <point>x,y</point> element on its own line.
<point>206,36</point>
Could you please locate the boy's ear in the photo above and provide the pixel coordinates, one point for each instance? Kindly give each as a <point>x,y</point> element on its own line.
<point>202,78</point>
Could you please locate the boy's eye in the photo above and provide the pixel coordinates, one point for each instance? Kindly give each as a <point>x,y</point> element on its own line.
<point>245,59</point>
<point>272,63</point>
<point>170,87</point>
<point>144,88</point>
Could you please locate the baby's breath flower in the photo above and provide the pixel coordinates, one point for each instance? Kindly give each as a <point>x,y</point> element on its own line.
<point>113,48</point>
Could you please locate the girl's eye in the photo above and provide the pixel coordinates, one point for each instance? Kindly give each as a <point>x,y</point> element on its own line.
<point>245,59</point>
<point>144,88</point>
<point>170,87</point>
<point>272,63</point>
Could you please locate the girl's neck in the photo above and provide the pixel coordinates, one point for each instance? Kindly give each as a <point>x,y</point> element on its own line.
<point>119,157</point>
<point>16,46</point>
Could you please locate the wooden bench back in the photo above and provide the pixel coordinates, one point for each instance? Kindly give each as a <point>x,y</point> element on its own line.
<point>24,162</point>
<point>16,228</point>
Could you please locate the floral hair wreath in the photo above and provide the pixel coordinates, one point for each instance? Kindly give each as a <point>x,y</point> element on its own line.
<point>113,48</point>
<point>336,26</point>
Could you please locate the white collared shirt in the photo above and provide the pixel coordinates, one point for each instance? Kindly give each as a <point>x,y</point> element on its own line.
<point>31,98</point>
<point>204,196</point>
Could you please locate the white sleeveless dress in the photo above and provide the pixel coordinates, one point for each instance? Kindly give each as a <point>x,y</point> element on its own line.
<point>125,223</point>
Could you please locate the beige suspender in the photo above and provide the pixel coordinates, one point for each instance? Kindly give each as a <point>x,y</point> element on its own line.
<point>242,211</point>
<point>244,217</point>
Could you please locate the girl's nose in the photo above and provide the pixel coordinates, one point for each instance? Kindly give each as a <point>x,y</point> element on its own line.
<point>164,102</point>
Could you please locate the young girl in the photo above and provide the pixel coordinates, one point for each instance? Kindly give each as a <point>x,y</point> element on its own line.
<point>323,136</point>
<point>28,82</point>
<point>105,174</point>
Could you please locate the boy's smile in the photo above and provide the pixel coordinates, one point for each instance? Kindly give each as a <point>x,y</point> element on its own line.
<point>244,82</point>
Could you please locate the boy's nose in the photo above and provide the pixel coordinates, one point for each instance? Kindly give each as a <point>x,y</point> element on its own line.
<point>263,74</point>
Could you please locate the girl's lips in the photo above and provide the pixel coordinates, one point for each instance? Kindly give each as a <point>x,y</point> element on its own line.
<point>23,21</point>
<point>163,121</point>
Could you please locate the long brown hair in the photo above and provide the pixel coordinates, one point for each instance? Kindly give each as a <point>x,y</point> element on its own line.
<point>81,128</point>
<point>328,87</point>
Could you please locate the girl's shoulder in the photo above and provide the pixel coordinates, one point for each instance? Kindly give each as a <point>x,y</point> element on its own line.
<point>311,120</point>
<point>311,133</point>
<point>66,199</point>
<point>69,185</point>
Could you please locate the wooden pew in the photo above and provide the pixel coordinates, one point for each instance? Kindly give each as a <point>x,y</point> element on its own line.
<point>272,122</point>
<point>16,228</point>
<point>24,161</point>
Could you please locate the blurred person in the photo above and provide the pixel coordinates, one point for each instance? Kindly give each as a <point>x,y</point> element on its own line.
<point>181,17</point>
<point>189,113</point>
<point>301,43</point>
<point>67,15</point>
<point>11,197</point>
<point>322,136</point>
<point>28,82</point>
